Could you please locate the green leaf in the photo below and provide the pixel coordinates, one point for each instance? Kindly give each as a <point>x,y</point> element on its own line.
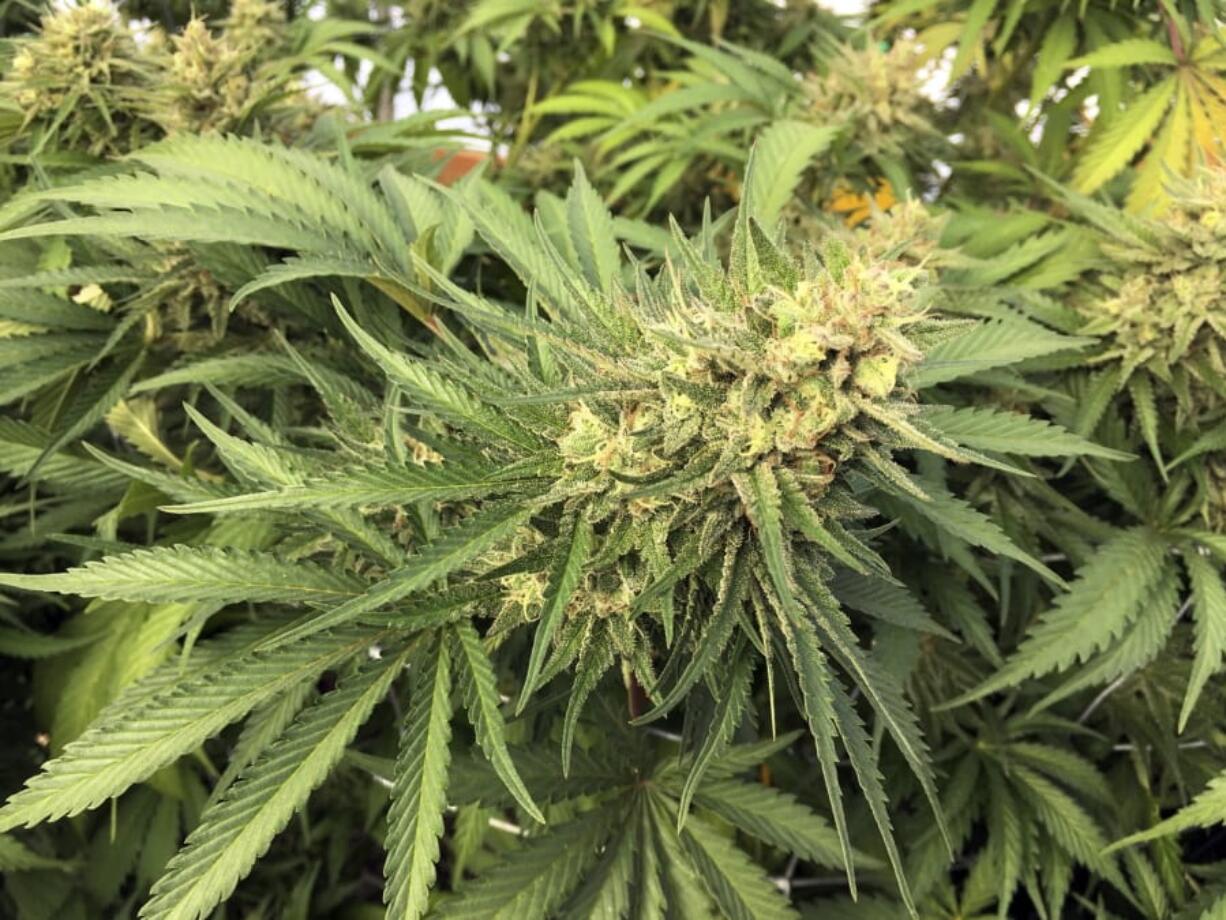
<point>1141,389</point>
<point>474,778</point>
<point>782,153</point>
<point>240,826</point>
<point>886,601</point>
<point>1141,643</point>
<point>90,404</point>
<point>487,13</point>
<point>265,724</point>
<point>863,763</point>
<point>484,709</point>
<point>817,702</point>
<point>419,792</point>
<point>1057,48</point>
<point>1070,824</point>
<point>24,643</point>
<point>727,718</point>
<point>678,881</point>
<point>205,574</point>
<point>1131,52</point>
<point>730,599</point>
<point>233,370</point>
<point>972,31</point>
<point>1064,766</point>
<point>165,717</point>
<point>1209,609</point>
<point>176,223</point>
<point>1095,610</point>
<point>1122,136</point>
<point>1212,440</point>
<point>589,670</point>
<point>740,887</point>
<point>299,268</point>
<point>433,392</point>
<point>17,857</point>
<point>882,689</point>
<point>960,519</point>
<point>1096,398</point>
<point>211,188</point>
<point>259,464</point>
<point>776,817</point>
<point>989,345</point>
<point>42,309</point>
<point>1005,432</point>
<point>800,516</point>
<point>502,223</point>
<point>608,892</point>
<point>1206,810</point>
<point>1006,838</point>
<point>371,484</point>
<point>592,233</point>
<point>760,495</point>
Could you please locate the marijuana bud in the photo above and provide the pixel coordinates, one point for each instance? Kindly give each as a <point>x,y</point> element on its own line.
<point>878,94</point>
<point>257,24</point>
<point>798,368</point>
<point>785,374</point>
<point>1165,313</point>
<point>209,89</point>
<point>1160,316</point>
<point>82,73</point>
<point>87,78</point>
<point>217,81</point>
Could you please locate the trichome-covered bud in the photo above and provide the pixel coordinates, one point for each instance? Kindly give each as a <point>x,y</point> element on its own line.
<point>218,81</point>
<point>801,368</point>
<point>81,72</point>
<point>878,94</point>
<point>1165,310</point>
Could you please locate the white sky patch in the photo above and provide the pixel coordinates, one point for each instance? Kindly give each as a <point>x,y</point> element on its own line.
<point>435,98</point>
<point>1090,108</point>
<point>839,7</point>
<point>142,31</point>
<point>935,77</point>
<point>1075,78</point>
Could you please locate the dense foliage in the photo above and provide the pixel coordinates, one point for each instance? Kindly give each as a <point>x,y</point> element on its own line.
<point>784,477</point>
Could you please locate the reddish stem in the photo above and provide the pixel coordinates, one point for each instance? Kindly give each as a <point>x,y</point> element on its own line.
<point>1172,32</point>
<point>636,697</point>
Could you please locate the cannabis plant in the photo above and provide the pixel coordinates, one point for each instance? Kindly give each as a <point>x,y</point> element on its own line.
<point>847,544</point>
<point>636,472</point>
